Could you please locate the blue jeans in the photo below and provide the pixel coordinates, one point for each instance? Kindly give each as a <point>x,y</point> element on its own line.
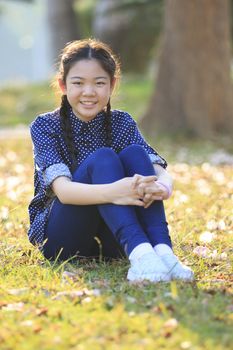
<point>72,229</point>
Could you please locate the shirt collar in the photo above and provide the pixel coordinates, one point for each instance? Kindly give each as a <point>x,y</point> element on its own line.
<point>93,125</point>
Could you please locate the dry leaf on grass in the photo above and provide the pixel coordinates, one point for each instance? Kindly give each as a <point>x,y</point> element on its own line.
<point>14,307</point>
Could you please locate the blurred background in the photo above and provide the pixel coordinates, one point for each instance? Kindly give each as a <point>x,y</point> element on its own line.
<point>176,60</point>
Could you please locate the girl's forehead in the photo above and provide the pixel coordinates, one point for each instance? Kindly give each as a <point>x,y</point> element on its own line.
<point>87,68</point>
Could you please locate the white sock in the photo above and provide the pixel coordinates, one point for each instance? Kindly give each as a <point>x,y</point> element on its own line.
<point>163,249</point>
<point>140,250</point>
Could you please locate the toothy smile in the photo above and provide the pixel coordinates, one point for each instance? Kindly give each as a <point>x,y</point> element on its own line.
<point>88,103</point>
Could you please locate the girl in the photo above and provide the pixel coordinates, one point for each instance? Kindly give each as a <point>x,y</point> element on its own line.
<point>95,183</point>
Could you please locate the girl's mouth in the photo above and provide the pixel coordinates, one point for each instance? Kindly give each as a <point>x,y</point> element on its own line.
<point>88,103</point>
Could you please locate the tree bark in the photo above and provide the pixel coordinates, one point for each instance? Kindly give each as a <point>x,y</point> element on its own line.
<point>63,25</point>
<point>193,92</point>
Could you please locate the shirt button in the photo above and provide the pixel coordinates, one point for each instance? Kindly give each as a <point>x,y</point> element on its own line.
<point>84,128</point>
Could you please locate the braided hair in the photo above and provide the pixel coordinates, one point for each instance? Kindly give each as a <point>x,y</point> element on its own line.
<point>72,53</point>
<point>108,125</point>
<point>67,131</point>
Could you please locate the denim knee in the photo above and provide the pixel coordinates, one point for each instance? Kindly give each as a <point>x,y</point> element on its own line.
<point>133,149</point>
<point>135,159</point>
<point>104,156</point>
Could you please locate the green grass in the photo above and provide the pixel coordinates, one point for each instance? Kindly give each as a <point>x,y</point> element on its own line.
<point>109,313</point>
<point>20,104</point>
<point>133,95</point>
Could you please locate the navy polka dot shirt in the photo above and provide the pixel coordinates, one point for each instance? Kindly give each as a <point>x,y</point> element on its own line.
<point>51,157</point>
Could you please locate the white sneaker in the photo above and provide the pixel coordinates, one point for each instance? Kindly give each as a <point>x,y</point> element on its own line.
<point>149,267</point>
<point>177,270</point>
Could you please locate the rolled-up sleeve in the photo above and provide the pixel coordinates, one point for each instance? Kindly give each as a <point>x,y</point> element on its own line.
<point>54,171</point>
<point>135,137</point>
<point>48,160</point>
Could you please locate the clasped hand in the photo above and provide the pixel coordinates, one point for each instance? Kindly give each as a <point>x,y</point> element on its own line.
<point>148,189</point>
<point>137,190</point>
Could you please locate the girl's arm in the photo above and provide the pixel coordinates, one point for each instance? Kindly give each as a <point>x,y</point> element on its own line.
<point>69,192</point>
<point>164,179</point>
<point>122,192</point>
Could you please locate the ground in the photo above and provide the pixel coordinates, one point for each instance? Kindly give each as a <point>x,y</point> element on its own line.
<point>90,305</point>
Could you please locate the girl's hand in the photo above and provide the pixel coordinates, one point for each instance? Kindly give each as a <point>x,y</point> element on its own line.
<point>127,192</point>
<point>151,191</point>
<point>155,192</point>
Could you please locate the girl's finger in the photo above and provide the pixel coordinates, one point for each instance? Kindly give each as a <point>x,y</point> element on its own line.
<point>135,180</point>
<point>148,204</point>
<point>149,178</point>
<point>153,190</point>
<point>147,197</point>
<point>141,190</point>
<point>158,198</point>
<point>138,202</point>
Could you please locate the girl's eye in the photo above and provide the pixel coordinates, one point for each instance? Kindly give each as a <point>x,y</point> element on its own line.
<point>100,83</point>
<point>77,83</point>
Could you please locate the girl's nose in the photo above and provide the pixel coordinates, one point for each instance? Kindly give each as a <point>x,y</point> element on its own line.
<point>88,90</point>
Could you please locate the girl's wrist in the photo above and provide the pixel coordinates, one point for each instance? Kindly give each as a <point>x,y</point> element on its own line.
<point>168,187</point>
<point>108,193</point>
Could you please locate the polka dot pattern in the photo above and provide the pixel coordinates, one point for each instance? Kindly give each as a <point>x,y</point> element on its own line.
<point>52,159</point>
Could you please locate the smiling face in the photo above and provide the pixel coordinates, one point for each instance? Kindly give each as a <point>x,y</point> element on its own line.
<point>88,88</point>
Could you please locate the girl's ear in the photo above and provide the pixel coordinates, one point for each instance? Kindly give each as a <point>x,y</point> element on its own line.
<point>62,86</point>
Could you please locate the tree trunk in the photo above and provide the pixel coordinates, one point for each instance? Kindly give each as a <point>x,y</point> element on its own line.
<point>62,23</point>
<point>193,91</point>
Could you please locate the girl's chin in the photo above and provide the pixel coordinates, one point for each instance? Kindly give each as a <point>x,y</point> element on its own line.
<point>88,113</point>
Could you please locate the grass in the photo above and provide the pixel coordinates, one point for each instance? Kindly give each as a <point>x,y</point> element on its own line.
<point>98,308</point>
<point>20,104</point>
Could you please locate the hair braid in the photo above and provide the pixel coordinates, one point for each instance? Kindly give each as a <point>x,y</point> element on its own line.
<point>67,131</point>
<point>108,125</point>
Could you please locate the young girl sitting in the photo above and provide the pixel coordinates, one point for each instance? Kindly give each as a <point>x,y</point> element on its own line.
<point>98,184</point>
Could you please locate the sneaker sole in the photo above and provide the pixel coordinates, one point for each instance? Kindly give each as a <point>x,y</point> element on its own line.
<point>184,279</point>
<point>132,277</point>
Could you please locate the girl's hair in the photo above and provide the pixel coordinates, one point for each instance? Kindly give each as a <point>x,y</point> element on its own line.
<point>85,50</point>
